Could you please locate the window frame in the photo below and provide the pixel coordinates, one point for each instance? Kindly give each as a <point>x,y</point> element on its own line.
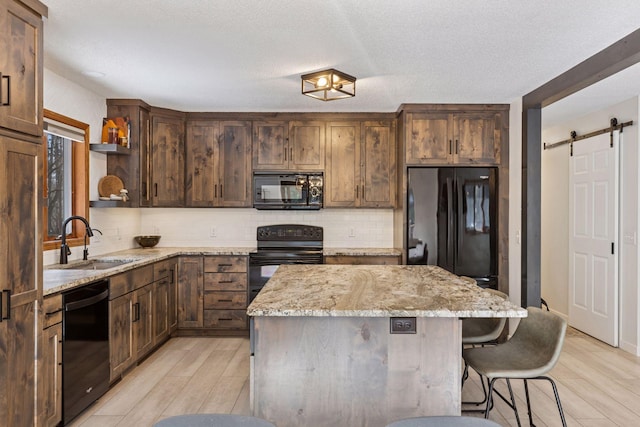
<point>79,184</point>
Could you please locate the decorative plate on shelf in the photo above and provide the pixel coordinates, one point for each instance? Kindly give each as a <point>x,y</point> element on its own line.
<point>109,185</point>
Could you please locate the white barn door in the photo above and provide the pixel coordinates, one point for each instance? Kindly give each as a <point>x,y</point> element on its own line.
<point>593,237</point>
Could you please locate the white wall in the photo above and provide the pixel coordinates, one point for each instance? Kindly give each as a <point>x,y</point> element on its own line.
<point>555,215</point>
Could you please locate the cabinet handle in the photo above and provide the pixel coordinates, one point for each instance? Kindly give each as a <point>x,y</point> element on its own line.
<point>136,312</point>
<point>215,191</point>
<point>224,300</point>
<point>6,104</point>
<point>161,272</point>
<point>171,274</point>
<point>450,147</point>
<point>457,146</point>
<point>285,154</point>
<point>155,189</point>
<point>225,265</point>
<point>51,313</point>
<point>357,191</point>
<point>225,319</point>
<point>221,196</point>
<point>225,281</point>
<point>291,154</point>
<point>8,316</point>
<point>148,177</point>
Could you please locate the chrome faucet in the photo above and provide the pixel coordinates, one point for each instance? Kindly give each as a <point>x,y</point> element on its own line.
<point>64,249</point>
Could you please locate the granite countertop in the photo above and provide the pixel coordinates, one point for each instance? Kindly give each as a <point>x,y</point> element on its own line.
<point>376,291</point>
<point>57,278</point>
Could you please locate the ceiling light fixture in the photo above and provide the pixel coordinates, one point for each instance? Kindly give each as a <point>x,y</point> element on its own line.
<point>328,85</point>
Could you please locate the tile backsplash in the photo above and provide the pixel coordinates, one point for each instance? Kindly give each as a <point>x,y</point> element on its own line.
<point>343,228</point>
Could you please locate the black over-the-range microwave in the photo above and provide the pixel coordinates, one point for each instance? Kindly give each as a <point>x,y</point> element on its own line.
<point>282,190</point>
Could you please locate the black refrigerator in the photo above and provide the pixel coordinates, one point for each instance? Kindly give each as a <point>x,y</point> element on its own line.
<point>452,221</point>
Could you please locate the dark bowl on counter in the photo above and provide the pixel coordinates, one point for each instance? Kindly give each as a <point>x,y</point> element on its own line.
<point>147,241</point>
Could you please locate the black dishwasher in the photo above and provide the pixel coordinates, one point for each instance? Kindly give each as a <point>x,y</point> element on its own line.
<point>85,347</point>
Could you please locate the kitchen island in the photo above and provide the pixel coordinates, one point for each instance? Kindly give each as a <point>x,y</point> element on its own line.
<point>323,353</point>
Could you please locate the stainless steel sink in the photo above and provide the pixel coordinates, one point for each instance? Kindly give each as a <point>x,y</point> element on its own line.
<point>94,264</point>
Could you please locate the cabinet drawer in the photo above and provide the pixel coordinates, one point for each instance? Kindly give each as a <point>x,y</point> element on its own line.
<point>162,269</point>
<point>220,264</point>
<point>225,300</point>
<point>123,283</point>
<point>52,309</point>
<point>225,282</point>
<point>225,319</point>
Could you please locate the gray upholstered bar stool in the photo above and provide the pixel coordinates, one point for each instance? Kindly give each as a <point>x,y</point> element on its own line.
<point>443,422</point>
<point>212,420</point>
<point>481,331</point>
<point>530,354</point>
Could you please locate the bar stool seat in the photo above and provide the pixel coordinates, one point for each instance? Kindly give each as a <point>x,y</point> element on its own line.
<point>212,420</point>
<point>532,351</point>
<point>443,422</point>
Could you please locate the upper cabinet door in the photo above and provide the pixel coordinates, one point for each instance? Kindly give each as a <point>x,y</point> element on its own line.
<point>167,161</point>
<point>234,180</point>
<point>342,177</point>
<point>378,165</point>
<point>306,145</point>
<point>270,145</point>
<point>428,138</point>
<point>201,163</point>
<point>20,69</point>
<point>477,138</point>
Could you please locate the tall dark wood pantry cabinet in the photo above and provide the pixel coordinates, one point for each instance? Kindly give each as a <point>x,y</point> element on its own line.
<point>20,213</point>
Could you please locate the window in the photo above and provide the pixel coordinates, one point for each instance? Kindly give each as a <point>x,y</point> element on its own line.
<point>65,174</point>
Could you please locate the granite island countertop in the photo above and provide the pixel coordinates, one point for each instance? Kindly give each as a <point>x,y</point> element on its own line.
<point>376,291</point>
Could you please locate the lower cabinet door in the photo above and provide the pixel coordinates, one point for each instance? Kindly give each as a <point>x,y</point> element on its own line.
<point>120,337</point>
<point>160,310</point>
<point>142,322</point>
<point>50,399</point>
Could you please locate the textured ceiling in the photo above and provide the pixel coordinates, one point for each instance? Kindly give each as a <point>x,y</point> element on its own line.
<point>248,55</point>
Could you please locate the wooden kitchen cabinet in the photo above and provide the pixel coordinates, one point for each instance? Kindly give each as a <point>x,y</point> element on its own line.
<point>20,280</point>
<point>130,322</point>
<point>190,292</point>
<point>142,322</point>
<point>218,164</point>
<point>121,349</point>
<point>165,309</point>
<point>50,364</point>
<point>134,169</point>
<point>361,165</point>
<point>20,205</point>
<point>212,294</point>
<point>225,292</point>
<point>289,145</point>
<point>21,66</point>
<point>470,136</point>
<point>167,159</point>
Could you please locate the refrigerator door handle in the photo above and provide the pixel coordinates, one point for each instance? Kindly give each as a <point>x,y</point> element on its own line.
<point>460,213</point>
<point>450,222</point>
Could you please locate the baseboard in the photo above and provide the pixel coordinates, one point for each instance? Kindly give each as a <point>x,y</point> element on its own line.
<point>629,348</point>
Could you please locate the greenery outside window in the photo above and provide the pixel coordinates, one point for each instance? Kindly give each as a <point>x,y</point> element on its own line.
<point>66,178</point>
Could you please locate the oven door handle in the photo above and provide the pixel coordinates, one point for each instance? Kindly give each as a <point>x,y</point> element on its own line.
<point>280,261</point>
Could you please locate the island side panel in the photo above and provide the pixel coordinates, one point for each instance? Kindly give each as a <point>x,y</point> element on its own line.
<point>312,371</point>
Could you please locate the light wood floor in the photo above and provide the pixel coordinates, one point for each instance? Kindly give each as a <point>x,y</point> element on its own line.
<point>598,385</point>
